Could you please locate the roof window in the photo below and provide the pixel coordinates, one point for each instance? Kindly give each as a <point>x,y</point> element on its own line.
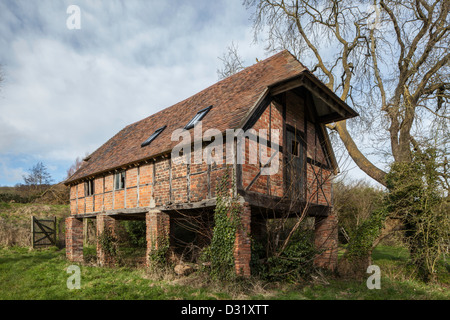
<point>153,136</point>
<point>199,116</point>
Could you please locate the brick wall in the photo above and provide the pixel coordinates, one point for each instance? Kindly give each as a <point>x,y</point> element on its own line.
<point>318,178</point>
<point>162,182</point>
<point>74,239</point>
<point>105,222</point>
<point>157,232</point>
<point>242,246</point>
<point>326,241</point>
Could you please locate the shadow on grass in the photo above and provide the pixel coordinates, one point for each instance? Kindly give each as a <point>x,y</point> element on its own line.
<point>28,257</point>
<point>390,253</point>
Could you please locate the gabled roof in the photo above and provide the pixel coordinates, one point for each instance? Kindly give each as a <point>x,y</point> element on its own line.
<point>232,100</point>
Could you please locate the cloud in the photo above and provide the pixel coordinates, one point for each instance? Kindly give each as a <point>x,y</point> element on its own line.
<point>68,91</point>
<point>9,174</point>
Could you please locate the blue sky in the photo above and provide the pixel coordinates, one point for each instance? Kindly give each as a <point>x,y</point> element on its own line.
<point>65,92</point>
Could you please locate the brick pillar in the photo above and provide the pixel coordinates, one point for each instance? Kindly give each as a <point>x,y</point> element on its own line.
<point>157,232</point>
<point>326,241</point>
<point>242,247</point>
<point>105,222</point>
<point>74,239</point>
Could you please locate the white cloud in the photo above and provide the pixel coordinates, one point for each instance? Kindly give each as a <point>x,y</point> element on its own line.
<point>9,175</point>
<point>68,91</point>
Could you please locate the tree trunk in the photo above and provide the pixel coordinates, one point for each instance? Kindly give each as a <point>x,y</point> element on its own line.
<point>361,161</point>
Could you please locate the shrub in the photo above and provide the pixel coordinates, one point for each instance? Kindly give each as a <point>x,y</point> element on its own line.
<point>136,231</point>
<point>293,263</point>
<point>12,197</point>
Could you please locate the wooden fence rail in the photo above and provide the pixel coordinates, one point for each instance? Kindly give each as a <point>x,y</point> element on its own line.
<point>43,231</point>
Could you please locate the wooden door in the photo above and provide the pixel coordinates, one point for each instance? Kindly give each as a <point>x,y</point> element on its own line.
<point>294,164</point>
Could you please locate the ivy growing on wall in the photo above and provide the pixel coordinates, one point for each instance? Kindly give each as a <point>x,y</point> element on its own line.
<point>108,242</point>
<point>226,223</point>
<point>157,256</point>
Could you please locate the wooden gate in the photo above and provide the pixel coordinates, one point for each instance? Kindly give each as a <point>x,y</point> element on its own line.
<point>43,232</point>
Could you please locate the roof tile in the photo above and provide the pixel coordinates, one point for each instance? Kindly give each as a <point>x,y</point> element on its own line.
<point>231,99</point>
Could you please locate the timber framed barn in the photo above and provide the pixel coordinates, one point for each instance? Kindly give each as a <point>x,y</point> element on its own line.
<point>132,176</point>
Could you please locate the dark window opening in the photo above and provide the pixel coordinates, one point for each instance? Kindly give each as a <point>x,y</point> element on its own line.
<point>89,188</point>
<point>295,148</point>
<point>295,170</point>
<point>119,180</point>
<point>198,117</point>
<point>153,136</point>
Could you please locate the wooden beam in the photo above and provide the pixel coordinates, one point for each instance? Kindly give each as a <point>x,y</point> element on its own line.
<point>113,189</point>
<point>319,93</point>
<point>331,117</point>
<point>208,180</point>
<point>259,110</point>
<point>260,171</point>
<point>188,183</point>
<point>103,201</point>
<point>284,141</point>
<point>76,190</point>
<point>170,181</point>
<point>138,182</point>
<point>283,87</point>
<point>125,191</point>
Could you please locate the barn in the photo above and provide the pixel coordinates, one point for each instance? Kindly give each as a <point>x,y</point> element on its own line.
<point>265,126</point>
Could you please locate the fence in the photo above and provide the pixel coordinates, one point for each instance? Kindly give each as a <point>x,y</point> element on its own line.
<point>43,232</point>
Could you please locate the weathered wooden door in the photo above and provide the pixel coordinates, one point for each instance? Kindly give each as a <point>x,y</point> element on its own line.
<point>294,164</point>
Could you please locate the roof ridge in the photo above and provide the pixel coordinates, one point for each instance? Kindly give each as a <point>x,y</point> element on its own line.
<point>246,69</point>
<point>233,95</point>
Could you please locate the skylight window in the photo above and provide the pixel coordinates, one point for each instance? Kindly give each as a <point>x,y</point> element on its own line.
<point>199,116</point>
<point>152,137</point>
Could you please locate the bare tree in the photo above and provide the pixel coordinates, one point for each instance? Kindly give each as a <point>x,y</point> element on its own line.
<point>76,165</point>
<point>38,176</point>
<point>388,59</point>
<point>232,62</point>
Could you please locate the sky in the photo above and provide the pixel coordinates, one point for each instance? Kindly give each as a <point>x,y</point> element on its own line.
<point>66,91</point>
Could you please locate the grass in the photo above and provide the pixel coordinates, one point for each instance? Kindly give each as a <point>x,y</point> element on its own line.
<point>42,274</point>
<point>23,211</point>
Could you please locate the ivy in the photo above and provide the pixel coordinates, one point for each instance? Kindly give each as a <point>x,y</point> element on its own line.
<point>416,199</point>
<point>108,242</point>
<point>158,256</point>
<point>295,262</point>
<point>361,243</point>
<point>226,223</point>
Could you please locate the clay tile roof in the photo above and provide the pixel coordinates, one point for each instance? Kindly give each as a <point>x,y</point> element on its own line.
<point>231,98</point>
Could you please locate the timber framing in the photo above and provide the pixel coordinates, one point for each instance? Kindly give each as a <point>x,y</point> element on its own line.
<point>277,94</point>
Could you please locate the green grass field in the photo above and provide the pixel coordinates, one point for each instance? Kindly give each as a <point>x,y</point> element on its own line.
<point>42,274</point>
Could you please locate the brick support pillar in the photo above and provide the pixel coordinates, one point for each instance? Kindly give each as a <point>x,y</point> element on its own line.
<point>74,239</point>
<point>326,241</point>
<point>104,223</point>
<point>157,232</point>
<point>242,247</point>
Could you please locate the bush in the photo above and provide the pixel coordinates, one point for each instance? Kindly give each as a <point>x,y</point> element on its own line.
<point>11,197</point>
<point>293,263</point>
<point>354,202</point>
<point>136,231</point>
